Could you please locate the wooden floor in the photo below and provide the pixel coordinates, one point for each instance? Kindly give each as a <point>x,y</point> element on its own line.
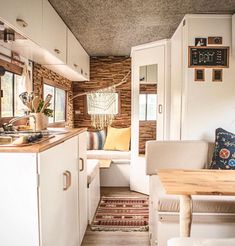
<point>116,238</point>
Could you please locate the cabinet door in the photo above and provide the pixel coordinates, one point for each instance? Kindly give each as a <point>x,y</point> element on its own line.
<point>77,58</point>
<point>25,16</point>
<point>82,184</point>
<point>54,32</point>
<point>58,191</point>
<point>19,201</point>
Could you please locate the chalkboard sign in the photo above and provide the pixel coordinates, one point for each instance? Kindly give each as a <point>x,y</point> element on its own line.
<point>208,56</point>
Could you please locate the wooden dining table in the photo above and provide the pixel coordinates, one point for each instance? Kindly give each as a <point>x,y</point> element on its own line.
<point>186,182</point>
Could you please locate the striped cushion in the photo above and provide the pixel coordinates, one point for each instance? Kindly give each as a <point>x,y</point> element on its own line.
<point>95,140</point>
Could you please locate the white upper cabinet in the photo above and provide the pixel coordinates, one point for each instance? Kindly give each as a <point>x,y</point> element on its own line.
<point>77,57</point>
<point>48,40</point>
<point>25,16</point>
<point>54,33</point>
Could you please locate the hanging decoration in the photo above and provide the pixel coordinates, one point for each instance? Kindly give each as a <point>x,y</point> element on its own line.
<point>103,105</point>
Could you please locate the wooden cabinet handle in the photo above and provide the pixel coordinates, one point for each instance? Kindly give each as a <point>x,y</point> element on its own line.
<point>57,51</point>
<point>67,179</point>
<point>81,159</point>
<point>21,22</point>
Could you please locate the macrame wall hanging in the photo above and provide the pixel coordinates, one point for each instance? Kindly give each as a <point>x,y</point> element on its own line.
<point>103,104</point>
<point>102,107</point>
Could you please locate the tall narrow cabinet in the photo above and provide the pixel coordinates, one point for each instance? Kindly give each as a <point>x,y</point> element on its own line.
<point>199,107</point>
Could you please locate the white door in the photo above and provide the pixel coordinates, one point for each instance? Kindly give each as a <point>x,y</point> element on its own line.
<point>82,184</point>
<point>146,56</point>
<point>58,195</point>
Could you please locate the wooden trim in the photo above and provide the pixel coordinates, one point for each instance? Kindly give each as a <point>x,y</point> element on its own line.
<point>203,75</point>
<point>213,75</point>
<point>208,47</point>
<point>12,58</point>
<point>10,67</point>
<point>53,83</point>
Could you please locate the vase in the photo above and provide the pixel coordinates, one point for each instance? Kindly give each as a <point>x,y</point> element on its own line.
<point>41,121</point>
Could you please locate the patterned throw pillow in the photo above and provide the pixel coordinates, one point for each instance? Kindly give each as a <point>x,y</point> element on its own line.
<point>95,140</point>
<point>224,152</point>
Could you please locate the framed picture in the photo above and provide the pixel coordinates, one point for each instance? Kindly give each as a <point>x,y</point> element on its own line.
<point>199,75</point>
<point>217,75</point>
<point>200,41</point>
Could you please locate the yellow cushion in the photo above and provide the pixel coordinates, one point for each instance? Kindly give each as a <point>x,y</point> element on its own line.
<point>118,139</point>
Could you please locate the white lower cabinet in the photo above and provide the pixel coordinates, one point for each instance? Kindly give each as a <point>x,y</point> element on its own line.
<point>58,194</point>
<point>43,202</point>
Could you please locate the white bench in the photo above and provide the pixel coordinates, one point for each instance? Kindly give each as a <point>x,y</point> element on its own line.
<point>118,174</point>
<point>201,242</point>
<point>93,187</point>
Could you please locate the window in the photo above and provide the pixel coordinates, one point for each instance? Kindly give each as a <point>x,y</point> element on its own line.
<point>147,107</point>
<point>11,86</point>
<point>58,103</point>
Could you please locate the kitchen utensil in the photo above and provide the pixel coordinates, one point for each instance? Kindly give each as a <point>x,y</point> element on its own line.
<point>35,103</point>
<point>31,96</point>
<point>24,97</point>
<point>46,102</point>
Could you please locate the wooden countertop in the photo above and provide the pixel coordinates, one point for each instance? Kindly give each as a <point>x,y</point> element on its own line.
<point>36,148</point>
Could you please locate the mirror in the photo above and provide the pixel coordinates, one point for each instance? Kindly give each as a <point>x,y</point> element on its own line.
<point>147,104</point>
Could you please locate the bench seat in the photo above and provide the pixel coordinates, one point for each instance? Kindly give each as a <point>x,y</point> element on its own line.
<point>93,187</point>
<point>113,155</point>
<point>92,170</point>
<point>118,174</point>
<point>201,242</point>
<point>201,204</point>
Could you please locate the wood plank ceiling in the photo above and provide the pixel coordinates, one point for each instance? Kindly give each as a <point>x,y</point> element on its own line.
<point>112,27</point>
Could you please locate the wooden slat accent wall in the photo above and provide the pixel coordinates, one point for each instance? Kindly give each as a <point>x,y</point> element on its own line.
<point>104,72</point>
<point>40,72</point>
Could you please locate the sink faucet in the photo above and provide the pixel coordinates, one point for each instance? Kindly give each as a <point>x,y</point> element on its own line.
<point>24,117</point>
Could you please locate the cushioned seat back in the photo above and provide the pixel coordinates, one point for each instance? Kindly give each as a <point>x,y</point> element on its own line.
<point>176,154</point>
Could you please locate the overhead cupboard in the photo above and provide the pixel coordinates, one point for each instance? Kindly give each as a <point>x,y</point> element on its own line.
<point>42,36</point>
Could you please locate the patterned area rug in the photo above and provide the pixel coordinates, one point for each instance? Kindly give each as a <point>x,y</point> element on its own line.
<point>121,214</point>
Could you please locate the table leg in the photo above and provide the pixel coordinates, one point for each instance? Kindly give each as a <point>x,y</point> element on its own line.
<point>185,215</point>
